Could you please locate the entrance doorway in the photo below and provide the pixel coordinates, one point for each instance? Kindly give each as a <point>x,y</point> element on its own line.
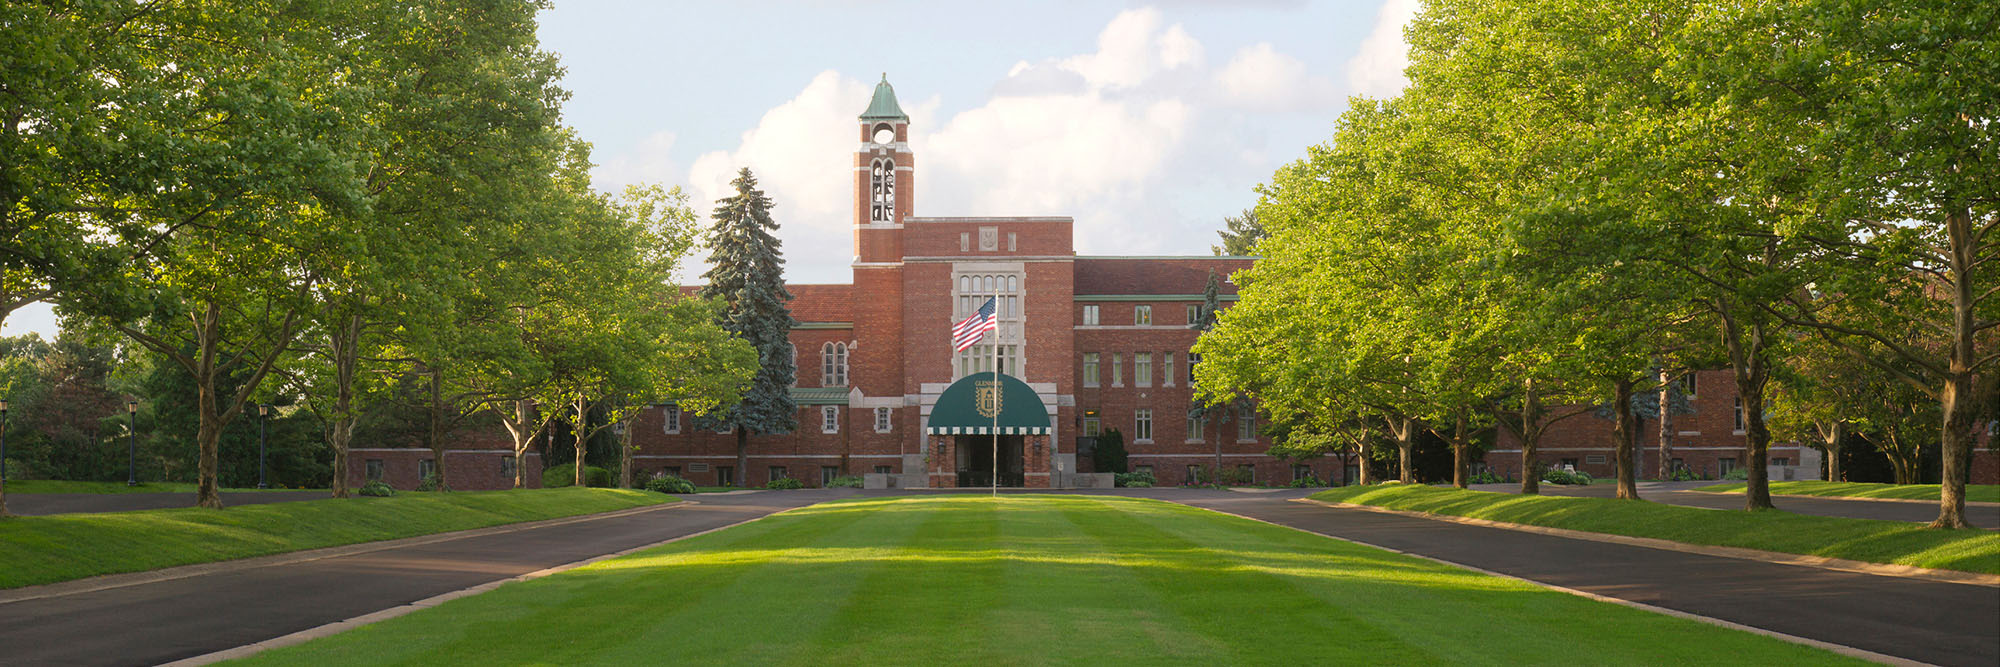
<point>976,465</point>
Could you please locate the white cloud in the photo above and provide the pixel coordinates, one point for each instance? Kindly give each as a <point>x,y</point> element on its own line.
<point>1259,77</point>
<point>1377,68</point>
<point>648,163</point>
<point>1115,138</point>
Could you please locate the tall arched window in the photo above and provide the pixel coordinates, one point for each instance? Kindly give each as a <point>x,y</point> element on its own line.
<point>882,186</point>
<point>833,365</point>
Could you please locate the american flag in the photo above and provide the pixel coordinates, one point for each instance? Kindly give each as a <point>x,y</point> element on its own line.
<point>969,330</point>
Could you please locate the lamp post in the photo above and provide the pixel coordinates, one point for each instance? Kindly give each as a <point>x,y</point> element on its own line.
<point>132,438</point>
<point>263,427</point>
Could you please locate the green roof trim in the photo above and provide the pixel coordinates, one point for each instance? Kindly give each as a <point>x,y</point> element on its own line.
<point>883,106</point>
<point>819,395</point>
<point>822,325</point>
<point>958,410</point>
<point>1149,297</point>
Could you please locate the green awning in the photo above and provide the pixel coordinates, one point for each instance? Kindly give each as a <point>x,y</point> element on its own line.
<point>967,408</point>
<point>819,395</point>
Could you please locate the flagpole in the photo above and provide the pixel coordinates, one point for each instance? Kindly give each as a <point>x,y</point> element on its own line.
<point>999,394</point>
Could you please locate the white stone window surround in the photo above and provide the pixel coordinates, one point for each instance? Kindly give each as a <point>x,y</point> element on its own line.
<point>670,421</point>
<point>829,419</point>
<point>883,417</point>
<point>971,284</point>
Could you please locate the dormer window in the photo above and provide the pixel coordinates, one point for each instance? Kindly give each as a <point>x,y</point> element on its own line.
<point>882,189</point>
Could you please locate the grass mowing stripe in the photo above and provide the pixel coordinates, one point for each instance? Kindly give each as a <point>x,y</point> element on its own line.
<point>1866,540</point>
<point>61,547</point>
<point>1026,580</point>
<point>1981,493</point>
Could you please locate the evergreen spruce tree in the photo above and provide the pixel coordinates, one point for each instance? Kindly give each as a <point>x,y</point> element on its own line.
<point>1241,235</point>
<point>748,277</point>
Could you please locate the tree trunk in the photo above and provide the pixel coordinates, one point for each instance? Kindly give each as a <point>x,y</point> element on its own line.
<point>523,432</point>
<point>1459,456</point>
<point>344,345</point>
<point>1748,357</point>
<point>209,434</point>
<point>1405,430</point>
<point>1958,398</point>
<point>1217,476</point>
<point>1626,429</point>
<point>1666,425</point>
<point>1834,436</point>
<point>1531,435</point>
<point>577,438</point>
<point>742,457</point>
<point>625,457</point>
<point>435,430</point>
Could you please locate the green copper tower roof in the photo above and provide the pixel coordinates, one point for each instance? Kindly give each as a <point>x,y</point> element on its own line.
<point>884,106</point>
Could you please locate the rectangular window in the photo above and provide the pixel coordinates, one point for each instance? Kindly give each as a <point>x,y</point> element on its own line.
<point>1142,369</point>
<point>725,475</point>
<point>826,475</point>
<point>883,470</point>
<point>1167,368</point>
<point>1142,425</point>
<point>1247,473</point>
<point>671,470</point>
<point>1594,459</point>
<point>1148,470</point>
<point>1300,472</point>
<point>1687,383</point>
<point>1781,461</point>
<point>1090,315</point>
<point>829,419</point>
<point>1193,360</point>
<point>1739,415</point>
<point>507,467</point>
<point>1010,242</point>
<point>1193,474</point>
<point>1092,427</point>
<point>882,420</point>
<point>1569,464</point>
<point>777,473</point>
<point>965,241</point>
<point>1246,424</point>
<point>671,421</point>
<point>374,467</point>
<point>1724,465</point>
<point>1142,315</point>
<point>1117,375</point>
<point>1197,428</point>
<point>426,468</point>
<point>1678,464</point>
<point>1090,369</point>
<point>1193,313</point>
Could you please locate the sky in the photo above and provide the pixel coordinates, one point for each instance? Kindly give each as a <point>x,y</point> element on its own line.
<point>1146,122</point>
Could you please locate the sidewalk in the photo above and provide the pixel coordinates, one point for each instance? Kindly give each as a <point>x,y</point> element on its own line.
<point>162,621</point>
<point>1678,493</point>
<point>1933,622</point>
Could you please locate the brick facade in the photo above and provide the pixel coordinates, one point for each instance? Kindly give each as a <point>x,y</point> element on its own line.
<point>893,321</point>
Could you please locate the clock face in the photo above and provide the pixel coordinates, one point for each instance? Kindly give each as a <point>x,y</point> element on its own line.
<point>885,136</point>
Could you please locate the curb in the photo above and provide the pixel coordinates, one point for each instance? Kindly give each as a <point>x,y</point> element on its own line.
<point>1842,649</point>
<point>338,627</point>
<point>124,579</point>
<point>1740,553</point>
<point>1933,503</point>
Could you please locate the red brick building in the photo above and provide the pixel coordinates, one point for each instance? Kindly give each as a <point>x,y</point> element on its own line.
<point>1085,343</point>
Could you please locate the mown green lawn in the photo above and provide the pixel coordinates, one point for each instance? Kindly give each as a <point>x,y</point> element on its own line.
<point>25,486</point>
<point>46,549</point>
<point>1985,493</point>
<point>1865,540</point>
<point>958,580</point>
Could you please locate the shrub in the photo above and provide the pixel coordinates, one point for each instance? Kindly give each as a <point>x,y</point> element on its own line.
<point>565,475</point>
<point>1737,474</point>
<point>1306,482</point>
<point>1237,477</point>
<point>377,489</point>
<point>430,483</point>
<point>1561,476</point>
<point>665,483</point>
<point>846,482</point>
<point>785,483</point>
<point>1135,480</point>
<point>1486,477</point>
<point>1682,474</point>
<point>1109,454</point>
